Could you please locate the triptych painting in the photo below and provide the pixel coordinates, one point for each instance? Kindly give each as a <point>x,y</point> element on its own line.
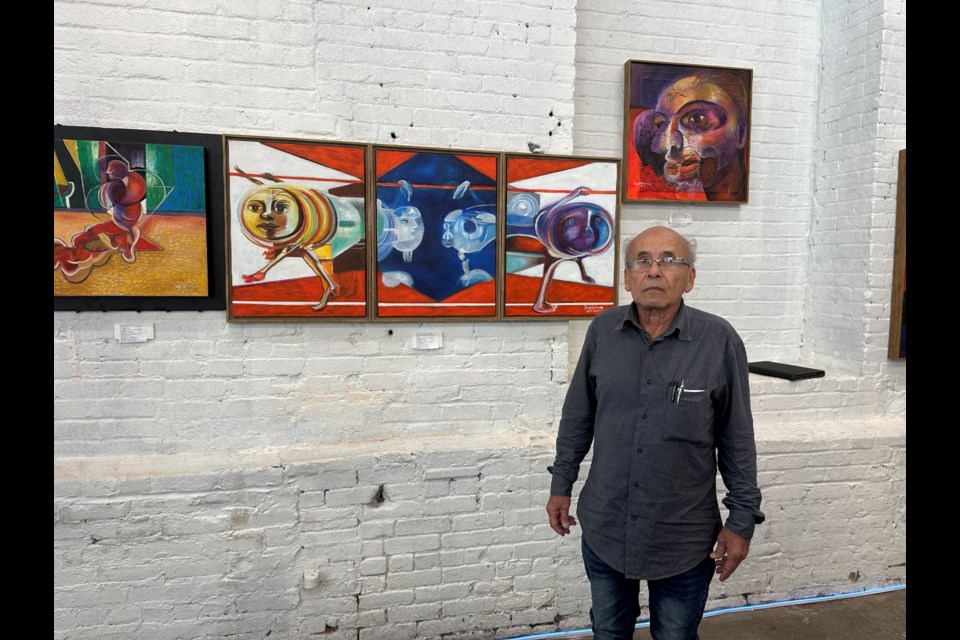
<point>328,231</point>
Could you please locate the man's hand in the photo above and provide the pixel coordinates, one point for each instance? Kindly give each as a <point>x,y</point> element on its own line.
<point>558,508</point>
<point>730,551</point>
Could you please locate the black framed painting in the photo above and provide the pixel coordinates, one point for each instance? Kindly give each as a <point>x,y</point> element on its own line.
<point>137,220</point>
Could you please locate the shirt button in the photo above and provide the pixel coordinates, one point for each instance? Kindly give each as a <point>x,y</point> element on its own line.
<point>644,416</point>
<point>639,450</point>
<point>634,518</point>
<point>636,484</point>
<point>648,382</point>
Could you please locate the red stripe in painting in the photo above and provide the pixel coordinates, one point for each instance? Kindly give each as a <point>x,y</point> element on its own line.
<point>297,311</point>
<point>240,174</point>
<point>438,186</point>
<point>523,168</point>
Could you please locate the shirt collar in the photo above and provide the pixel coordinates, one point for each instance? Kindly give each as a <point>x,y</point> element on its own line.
<point>680,324</point>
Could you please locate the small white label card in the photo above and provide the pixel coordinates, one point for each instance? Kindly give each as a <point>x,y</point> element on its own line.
<point>133,332</point>
<point>428,340</point>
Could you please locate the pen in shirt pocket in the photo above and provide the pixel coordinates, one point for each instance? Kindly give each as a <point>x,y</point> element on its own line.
<point>677,389</point>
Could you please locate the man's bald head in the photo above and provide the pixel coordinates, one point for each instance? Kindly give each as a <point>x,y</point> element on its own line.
<point>689,244</point>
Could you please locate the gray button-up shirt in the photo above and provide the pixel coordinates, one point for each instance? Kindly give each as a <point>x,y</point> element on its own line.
<point>649,505</point>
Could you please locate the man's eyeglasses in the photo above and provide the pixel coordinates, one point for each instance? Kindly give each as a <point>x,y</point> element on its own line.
<point>665,264</point>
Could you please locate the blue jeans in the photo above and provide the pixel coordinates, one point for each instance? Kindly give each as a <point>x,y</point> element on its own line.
<point>676,603</point>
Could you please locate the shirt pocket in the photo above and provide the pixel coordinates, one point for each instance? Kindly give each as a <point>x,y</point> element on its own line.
<point>690,418</point>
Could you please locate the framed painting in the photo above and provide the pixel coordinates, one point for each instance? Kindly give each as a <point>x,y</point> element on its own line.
<point>686,133</point>
<point>897,346</point>
<point>560,247</point>
<point>296,225</point>
<point>436,234</point>
<point>136,220</point>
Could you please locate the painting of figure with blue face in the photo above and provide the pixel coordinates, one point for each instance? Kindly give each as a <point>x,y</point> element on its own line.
<point>561,216</point>
<point>436,234</point>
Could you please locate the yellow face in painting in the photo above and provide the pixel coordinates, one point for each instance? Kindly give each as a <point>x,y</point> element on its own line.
<point>271,214</point>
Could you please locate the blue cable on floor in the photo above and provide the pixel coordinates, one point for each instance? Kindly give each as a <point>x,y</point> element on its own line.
<point>717,612</point>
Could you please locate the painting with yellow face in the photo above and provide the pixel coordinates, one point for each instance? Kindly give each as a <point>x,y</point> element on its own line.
<point>686,133</point>
<point>296,230</point>
<point>270,214</point>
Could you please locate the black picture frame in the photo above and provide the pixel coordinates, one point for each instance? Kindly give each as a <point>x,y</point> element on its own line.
<point>215,300</point>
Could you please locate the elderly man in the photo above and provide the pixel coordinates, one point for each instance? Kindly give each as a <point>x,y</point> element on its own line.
<point>661,393</point>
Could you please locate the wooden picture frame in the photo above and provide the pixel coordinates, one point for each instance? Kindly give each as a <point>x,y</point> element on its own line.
<point>561,224</point>
<point>686,133</point>
<point>897,345</point>
<point>137,220</point>
<point>296,230</point>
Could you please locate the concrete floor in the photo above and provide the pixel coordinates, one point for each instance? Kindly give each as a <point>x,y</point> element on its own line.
<point>880,616</point>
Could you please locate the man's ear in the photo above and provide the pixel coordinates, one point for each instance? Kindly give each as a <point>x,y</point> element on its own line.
<point>691,276</point>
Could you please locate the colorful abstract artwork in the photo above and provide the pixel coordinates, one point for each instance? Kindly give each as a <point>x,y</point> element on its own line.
<point>561,230</point>
<point>686,133</point>
<point>296,230</point>
<point>436,234</point>
<point>130,218</point>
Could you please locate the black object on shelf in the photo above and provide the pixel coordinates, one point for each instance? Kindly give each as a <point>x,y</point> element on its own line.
<point>781,370</point>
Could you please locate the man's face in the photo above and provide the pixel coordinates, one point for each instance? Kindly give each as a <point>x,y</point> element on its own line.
<point>270,214</point>
<point>698,131</point>
<point>658,288</point>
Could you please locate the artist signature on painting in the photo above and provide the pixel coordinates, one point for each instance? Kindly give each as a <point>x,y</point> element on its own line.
<point>593,308</point>
<point>185,287</point>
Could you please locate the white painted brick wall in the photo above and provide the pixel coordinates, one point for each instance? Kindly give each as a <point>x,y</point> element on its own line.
<point>191,494</point>
<point>138,552</point>
<point>892,136</point>
<point>282,385</point>
<point>861,127</point>
<point>467,74</point>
